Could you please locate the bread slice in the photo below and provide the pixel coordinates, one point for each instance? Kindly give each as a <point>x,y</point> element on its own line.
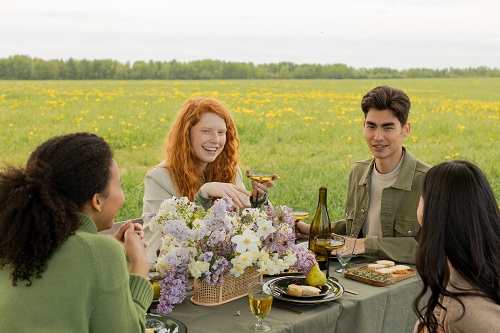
<point>400,269</point>
<point>374,267</point>
<point>387,270</point>
<point>386,263</point>
<point>301,290</point>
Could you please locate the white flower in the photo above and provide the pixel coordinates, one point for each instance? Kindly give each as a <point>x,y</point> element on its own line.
<point>237,269</point>
<point>247,241</point>
<point>265,228</point>
<point>198,223</point>
<point>196,268</point>
<point>244,259</point>
<point>290,259</point>
<point>286,229</point>
<point>272,269</point>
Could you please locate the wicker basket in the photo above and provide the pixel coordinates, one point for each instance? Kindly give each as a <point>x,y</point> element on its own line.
<point>232,288</point>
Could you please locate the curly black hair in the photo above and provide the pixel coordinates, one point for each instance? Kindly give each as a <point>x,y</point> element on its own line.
<point>40,204</point>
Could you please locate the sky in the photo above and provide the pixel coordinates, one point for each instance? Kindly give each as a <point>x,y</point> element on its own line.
<point>398,34</point>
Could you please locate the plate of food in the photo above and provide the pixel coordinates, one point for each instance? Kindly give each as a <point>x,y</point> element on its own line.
<point>164,324</point>
<point>297,288</point>
<point>294,289</point>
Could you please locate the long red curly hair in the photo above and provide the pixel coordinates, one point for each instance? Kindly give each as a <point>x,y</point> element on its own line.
<point>183,163</point>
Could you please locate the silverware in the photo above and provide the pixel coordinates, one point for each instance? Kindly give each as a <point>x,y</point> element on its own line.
<point>350,292</point>
<point>287,309</point>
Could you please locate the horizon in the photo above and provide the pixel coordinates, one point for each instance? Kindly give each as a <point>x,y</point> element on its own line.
<point>250,62</point>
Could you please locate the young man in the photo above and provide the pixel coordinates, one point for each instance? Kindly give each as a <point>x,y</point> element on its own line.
<point>384,191</point>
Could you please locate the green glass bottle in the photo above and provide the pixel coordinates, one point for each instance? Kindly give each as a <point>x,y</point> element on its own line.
<point>320,225</point>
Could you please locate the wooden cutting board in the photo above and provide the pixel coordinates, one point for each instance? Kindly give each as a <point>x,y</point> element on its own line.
<point>392,279</point>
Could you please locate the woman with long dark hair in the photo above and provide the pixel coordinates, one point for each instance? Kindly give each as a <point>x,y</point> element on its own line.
<point>56,273</point>
<point>459,251</point>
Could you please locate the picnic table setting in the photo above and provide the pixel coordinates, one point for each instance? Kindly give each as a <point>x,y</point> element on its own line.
<point>209,259</point>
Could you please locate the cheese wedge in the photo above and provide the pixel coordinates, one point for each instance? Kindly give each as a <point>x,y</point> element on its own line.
<point>301,290</point>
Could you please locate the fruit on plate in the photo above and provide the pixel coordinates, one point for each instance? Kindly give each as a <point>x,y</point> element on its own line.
<point>156,290</point>
<point>316,277</point>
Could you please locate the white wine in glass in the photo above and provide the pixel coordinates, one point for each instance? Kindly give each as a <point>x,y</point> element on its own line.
<point>300,214</point>
<point>260,304</point>
<point>327,244</point>
<point>261,177</point>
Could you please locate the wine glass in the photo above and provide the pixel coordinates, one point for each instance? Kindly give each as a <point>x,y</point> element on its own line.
<point>299,214</point>
<point>344,253</point>
<point>328,244</point>
<point>260,304</point>
<point>260,177</point>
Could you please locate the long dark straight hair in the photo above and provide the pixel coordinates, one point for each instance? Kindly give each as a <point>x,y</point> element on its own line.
<point>460,225</point>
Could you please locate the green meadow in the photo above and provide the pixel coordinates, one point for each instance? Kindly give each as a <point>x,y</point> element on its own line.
<point>307,131</point>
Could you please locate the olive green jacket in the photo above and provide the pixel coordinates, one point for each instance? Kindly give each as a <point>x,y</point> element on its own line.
<point>398,214</point>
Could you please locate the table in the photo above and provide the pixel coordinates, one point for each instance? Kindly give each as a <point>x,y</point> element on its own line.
<point>375,309</point>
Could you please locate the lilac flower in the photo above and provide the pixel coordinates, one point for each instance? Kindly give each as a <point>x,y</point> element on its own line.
<point>216,243</point>
<point>179,230</point>
<point>207,256</point>
<point>173,291</point>
<point>305,259</point>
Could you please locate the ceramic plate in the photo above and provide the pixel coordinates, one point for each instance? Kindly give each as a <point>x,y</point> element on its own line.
<point>334,291</point>
<point>164,324</point>
<point>281,287</point>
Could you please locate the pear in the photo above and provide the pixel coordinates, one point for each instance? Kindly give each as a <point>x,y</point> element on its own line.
<point>156,290</point>
<point>316,277</point>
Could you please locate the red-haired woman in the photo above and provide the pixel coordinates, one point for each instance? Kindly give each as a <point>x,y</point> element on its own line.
<point>201,164</point>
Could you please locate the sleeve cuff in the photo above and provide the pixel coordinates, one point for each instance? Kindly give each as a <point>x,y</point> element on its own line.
<point>371,244</point>
<point>141,290</point>
<point>205,202</point>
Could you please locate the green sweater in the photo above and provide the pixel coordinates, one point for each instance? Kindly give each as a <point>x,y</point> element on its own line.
<point>86,287</point>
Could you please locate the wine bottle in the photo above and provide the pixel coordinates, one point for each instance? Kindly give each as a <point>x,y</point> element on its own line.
<point>320,224</point>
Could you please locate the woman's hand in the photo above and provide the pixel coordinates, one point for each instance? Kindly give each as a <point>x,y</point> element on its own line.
<point>119,234</point>
<point>135,251</point>
<point>237,193</point>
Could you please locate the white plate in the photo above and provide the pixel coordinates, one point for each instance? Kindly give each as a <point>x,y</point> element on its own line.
<point>337,292</point>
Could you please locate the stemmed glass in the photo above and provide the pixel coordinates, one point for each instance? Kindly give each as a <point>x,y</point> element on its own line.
<point>328,244</point>
<point>260,177</point>
<point>299,214</point>
<point>260,304</point>
<point>344,253</point>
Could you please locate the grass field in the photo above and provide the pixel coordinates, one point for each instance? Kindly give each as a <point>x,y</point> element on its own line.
<point>309,132</point>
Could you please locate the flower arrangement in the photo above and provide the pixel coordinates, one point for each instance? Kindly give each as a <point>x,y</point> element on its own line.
<point>209,244</point>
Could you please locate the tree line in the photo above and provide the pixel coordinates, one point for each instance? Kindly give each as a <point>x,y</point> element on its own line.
<point>21,67</point>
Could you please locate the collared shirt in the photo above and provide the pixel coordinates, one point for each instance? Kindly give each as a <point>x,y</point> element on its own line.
<point>398,210</point>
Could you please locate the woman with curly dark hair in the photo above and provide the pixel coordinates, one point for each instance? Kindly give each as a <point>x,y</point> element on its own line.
<point>459,251</point>
<point>201,163</point>
<point>56,273</point>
